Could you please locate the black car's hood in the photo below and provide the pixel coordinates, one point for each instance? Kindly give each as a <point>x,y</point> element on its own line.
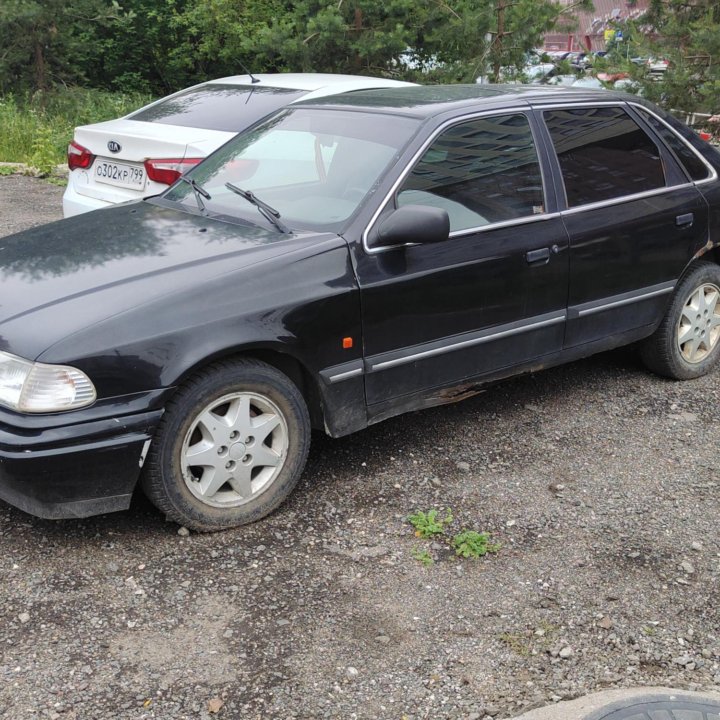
<point>87,268</point>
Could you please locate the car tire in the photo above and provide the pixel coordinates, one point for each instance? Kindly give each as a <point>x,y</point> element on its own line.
<point>686,345</point>
<point>230,447</point>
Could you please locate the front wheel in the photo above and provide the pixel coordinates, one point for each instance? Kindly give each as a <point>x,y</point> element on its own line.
<point>230,448</point>
<point>686,346</point>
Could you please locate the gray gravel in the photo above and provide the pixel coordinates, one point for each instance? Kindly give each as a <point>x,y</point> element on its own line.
<point>599,480</point>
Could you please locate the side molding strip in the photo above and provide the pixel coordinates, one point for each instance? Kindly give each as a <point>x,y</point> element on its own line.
<point>426,350</point>
<point>596,306</point>
<point>338,373</point>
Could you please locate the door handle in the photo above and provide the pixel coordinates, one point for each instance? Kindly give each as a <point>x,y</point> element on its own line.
<point>685,220</point>
<point>538,257</point>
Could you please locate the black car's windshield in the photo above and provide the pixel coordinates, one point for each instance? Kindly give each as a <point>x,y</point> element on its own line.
<point>313,165</point>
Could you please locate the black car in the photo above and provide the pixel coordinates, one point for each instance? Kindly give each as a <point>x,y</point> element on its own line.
<point>343,262</point>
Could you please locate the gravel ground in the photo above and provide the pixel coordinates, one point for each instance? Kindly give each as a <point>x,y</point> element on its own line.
<point>599,480</point>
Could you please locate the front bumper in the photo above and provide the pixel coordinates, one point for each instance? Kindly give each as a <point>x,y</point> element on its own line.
<point>69,466</point>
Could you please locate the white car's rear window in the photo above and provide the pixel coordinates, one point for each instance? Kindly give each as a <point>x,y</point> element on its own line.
<point>231,108</point>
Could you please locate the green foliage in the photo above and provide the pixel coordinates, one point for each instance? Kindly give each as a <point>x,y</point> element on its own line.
<point>49,42</point>
<point>467,544</point>
<point>427,524</point>
<point>154,46</point>
<point>423,556</point>
<point>53,116</point>
<point>43,157</point>
<point>472,544</point>
<point>688,35</point>
<point>6,170</point>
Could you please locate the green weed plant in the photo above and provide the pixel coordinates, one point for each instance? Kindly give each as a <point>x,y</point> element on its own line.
<point>428,524</point>
<point>472,544</point>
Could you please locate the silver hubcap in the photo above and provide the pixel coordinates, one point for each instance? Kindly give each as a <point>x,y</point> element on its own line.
<point>234,449</point>
<point>699,326</point>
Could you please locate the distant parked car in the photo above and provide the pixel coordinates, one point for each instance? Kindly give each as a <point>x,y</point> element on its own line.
<point>654,67</point>
<point>141,154</point>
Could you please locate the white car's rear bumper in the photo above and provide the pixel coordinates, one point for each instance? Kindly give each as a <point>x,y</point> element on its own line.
<point>75,204</point>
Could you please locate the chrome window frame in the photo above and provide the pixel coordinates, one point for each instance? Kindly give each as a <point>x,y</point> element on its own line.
<point>539,106</point>
<point>527,112</point>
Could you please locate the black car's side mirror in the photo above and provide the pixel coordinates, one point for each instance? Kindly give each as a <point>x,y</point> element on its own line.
<point>413,224</point>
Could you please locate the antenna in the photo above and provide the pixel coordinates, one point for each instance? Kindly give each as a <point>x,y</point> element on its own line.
<point>253,79</point>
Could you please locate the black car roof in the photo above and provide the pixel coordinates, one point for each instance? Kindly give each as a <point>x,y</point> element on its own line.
<point>429,100</point>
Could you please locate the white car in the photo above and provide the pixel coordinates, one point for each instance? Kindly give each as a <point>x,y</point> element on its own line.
<point>142,153</point>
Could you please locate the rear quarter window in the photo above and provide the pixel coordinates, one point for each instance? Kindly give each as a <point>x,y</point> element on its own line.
<point>695,168</point>
<point>213,106</point>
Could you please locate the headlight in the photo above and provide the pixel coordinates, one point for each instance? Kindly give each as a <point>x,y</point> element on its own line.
<point>35,387</point>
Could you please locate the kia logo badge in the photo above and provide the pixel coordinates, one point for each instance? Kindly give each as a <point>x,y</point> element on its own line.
<point>114,146</point>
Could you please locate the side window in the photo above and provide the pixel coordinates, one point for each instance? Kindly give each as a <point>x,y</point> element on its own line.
<point>603,154</point>
<point>480,172</point>
<point>694,166</point>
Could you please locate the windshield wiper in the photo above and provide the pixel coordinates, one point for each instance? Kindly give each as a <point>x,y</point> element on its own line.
<point>269,213</point>
<point>200,192</point>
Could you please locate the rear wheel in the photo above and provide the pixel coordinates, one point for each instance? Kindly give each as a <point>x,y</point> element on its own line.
<point>230,447</point>
<point>686,346</point>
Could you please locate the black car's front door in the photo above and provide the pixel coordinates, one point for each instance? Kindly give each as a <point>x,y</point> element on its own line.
<point>492,296</point>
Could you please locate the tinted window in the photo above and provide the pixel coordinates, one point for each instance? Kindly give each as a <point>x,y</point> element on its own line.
<point>603,154</point>
<point>481,172</point>
<point>694,166</point>
<point>219,107</point>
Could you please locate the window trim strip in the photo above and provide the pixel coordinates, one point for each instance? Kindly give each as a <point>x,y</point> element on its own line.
<point>623,199</point>
<point>504,223</point>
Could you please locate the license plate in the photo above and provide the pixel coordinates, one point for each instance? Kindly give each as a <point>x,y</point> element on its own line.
<point>119,174</point>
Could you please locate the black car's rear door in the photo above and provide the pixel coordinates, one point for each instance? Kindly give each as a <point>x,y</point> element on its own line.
<point>633,218</point>
<point>490,297</point>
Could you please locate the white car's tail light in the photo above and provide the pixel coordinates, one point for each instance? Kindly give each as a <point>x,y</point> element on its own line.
<point>36,387</point>
<point>168,170</point>
<point>79,157</point>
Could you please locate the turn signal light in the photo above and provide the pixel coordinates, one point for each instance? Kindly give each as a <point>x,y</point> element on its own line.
<point>79,157</point>
<point>168,170</point>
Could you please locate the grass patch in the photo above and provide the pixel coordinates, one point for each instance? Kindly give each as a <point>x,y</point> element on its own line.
<point>525,643</point>
<point>38,128</point>
<point>520,644</point>
<point>423,556</point>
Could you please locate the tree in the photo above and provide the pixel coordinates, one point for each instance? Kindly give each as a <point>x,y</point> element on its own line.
<point>163,45</point>
<point>44,42</point>
<point>687,33</point>
<point>520,25</point>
